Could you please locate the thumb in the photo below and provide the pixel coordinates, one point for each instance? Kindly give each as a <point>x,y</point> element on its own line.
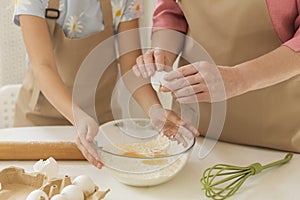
<point>91,133</point>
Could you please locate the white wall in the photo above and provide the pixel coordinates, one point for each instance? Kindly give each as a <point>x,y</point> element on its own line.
<point>146,19</point>
<point>12,51</point>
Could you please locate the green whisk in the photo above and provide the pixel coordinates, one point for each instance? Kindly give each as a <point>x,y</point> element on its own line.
<point>222,181</point>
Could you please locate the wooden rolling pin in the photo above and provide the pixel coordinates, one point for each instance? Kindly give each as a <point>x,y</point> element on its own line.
<point>34,143</point>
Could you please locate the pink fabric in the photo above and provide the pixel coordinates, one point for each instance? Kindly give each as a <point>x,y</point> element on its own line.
<point>285,16</point>
<point>286,21</point>
<point>168,15</point>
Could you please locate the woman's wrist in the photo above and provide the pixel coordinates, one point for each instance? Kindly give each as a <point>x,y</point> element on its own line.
<point>244,79</point>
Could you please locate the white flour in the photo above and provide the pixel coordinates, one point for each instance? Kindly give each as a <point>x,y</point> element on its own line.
<point>149,169</point>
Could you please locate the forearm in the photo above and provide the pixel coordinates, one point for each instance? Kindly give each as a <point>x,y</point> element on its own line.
<point>169,40</point>
<point>146,97</point>
<point>140,88</point>
<point>270,69</point>
<point>54,90</point>
<point>42,62</point>
<point>169,28</point>
<point>129,50</point>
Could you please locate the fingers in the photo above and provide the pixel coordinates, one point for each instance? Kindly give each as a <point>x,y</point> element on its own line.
<point>181,140</point>
<point>170,130</point>
<point>173,126</point>
<point>91,132</point>
<point>87,155</point>
<point>182,83</point>
<point>136,71</point>
<point>190,127</point>
<point>87,129</point>
<point>148,63</point>
<point>173,118</point>
<point>86,137</point>
<point>181,72</point>
<point>177,133</point>
<point>177,129</point>
<point>141,67</point>
<point>190,91</point>
<point>144,65</point>
<point>89,147</point>
<point>200,97</point>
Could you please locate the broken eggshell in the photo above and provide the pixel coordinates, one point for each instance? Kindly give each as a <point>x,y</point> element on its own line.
<point>157,80</point>
<point>86,184</point>
<point>37,195</point>
<point>48,167</point>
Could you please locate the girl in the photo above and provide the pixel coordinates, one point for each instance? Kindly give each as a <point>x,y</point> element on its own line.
<point>58,36</point>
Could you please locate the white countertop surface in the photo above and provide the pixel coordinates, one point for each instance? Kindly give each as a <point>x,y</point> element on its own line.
<point>278,183</point>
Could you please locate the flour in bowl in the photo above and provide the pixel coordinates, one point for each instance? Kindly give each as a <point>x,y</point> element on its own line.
<point>146,163</point>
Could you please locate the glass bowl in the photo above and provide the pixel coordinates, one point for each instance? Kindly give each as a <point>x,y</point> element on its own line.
<point>138,155</point>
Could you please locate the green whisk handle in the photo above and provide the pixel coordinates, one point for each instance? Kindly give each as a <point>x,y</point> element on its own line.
<point>286,159</point>
<point>256,168</point>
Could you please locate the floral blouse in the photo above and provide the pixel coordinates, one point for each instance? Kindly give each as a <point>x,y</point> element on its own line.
<point>80,18</point>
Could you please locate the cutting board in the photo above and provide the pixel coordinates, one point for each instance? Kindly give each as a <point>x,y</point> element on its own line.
<point>34,143</point>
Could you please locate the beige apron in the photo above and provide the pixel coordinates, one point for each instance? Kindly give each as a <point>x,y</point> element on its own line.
<point>234,31</point>
<point>33,109</point>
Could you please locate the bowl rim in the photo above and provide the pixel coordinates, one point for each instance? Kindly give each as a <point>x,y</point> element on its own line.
<point>143,158</point>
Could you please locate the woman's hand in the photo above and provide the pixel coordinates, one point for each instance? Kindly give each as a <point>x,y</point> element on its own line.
<point>170,124</point>
<point>203,82</point>
<point>87,129</point>
<point>153,60</point>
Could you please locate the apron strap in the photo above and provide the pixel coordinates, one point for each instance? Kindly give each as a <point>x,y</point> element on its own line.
<point>51,14</point>
<point>107,13</point>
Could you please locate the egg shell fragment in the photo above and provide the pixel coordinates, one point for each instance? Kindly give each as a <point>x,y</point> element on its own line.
<point>157,80</point>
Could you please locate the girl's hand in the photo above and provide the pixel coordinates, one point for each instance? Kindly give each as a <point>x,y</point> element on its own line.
<point>87,129</point>
<point>153,60</point>
<point>170,124</point>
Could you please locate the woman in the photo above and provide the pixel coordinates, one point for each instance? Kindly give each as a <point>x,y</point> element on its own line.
<point>255,45</point>
<point>58,37</point>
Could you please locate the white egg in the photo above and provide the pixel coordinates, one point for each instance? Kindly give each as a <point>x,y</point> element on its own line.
<point>72,192</point>
<point>48,167</point>
<point>157,80</point>
<point>58,197</point>
<point>85,183</point>
<point>37,195</point>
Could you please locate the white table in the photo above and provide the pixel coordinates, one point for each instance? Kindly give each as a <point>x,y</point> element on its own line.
<point>279,183</point>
